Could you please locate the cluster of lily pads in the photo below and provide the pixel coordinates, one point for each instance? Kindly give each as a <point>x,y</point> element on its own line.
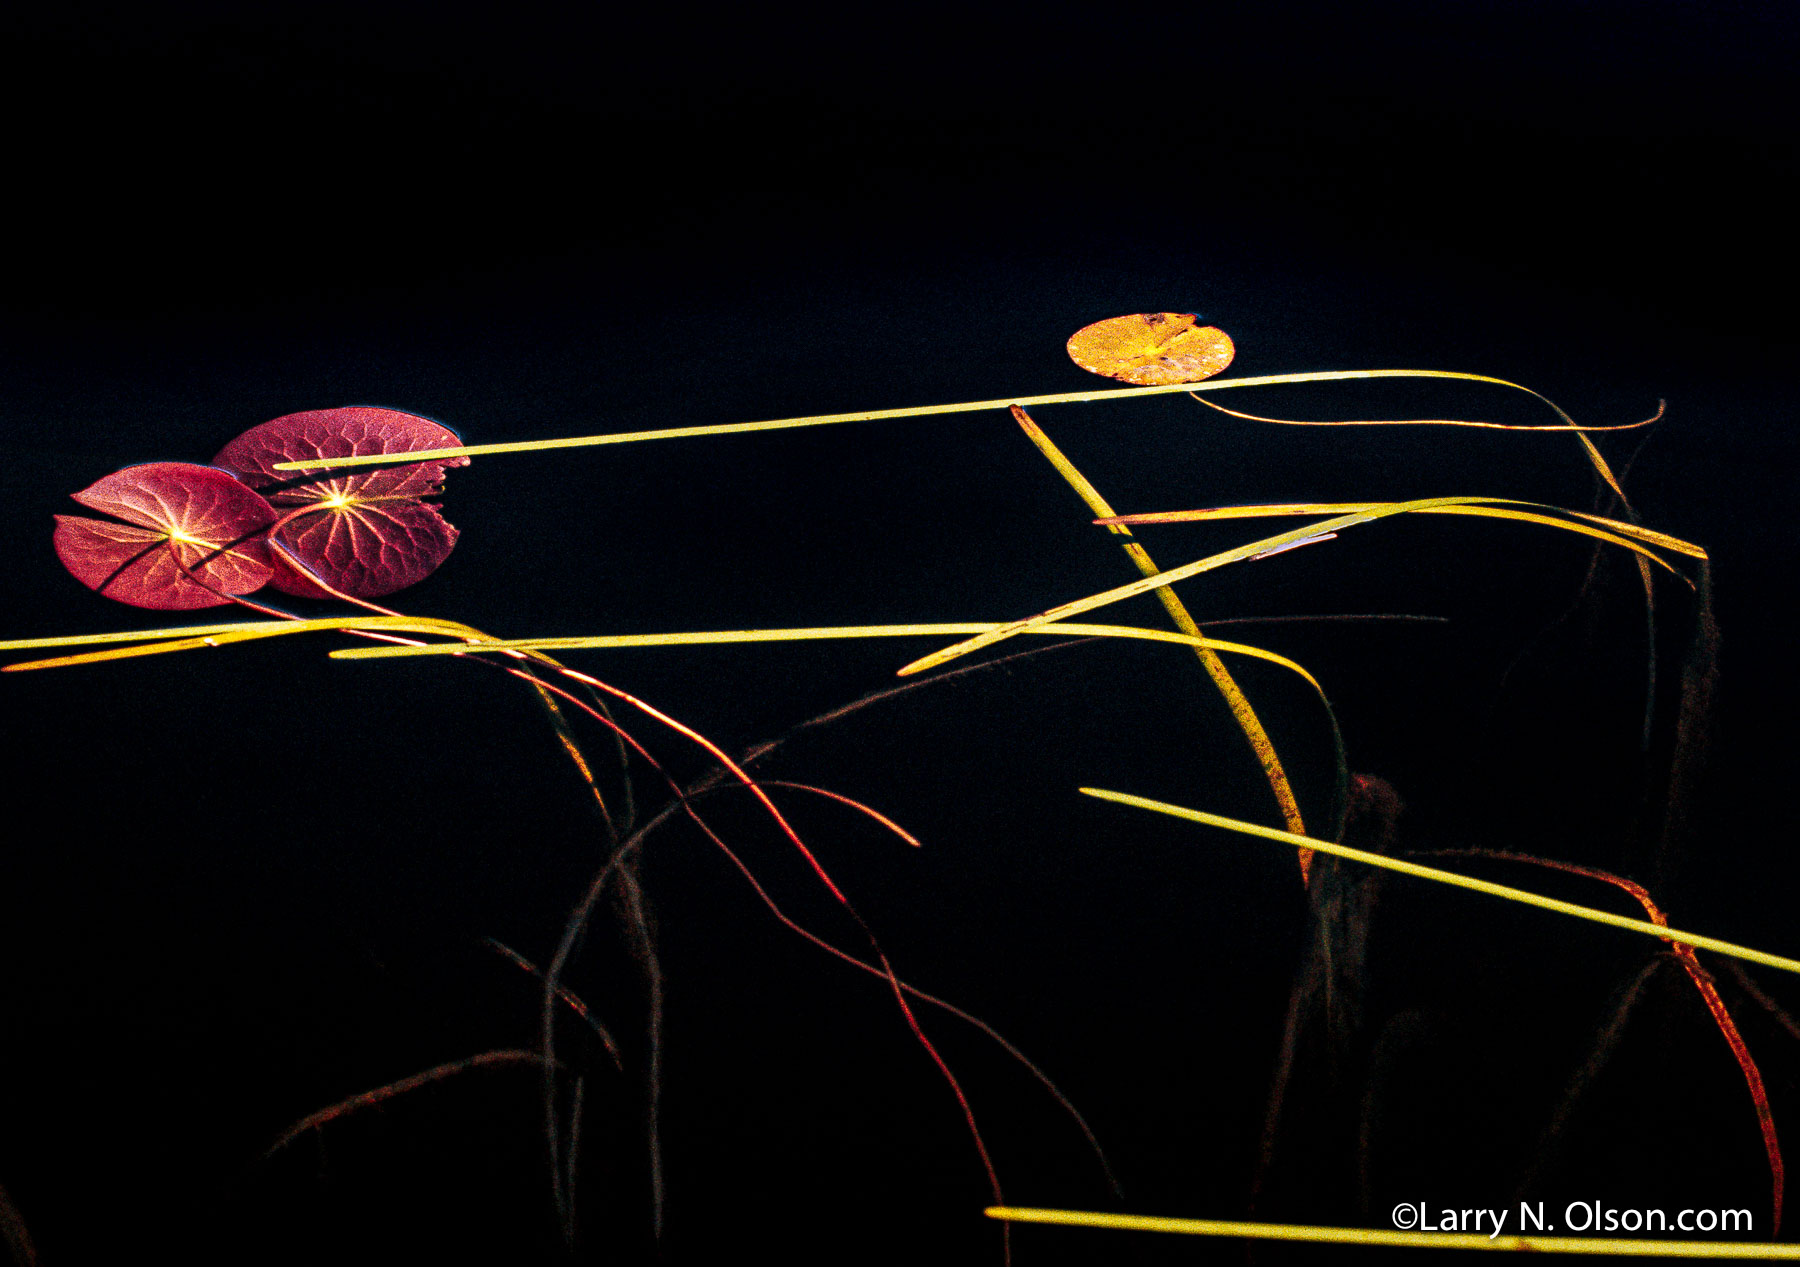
<point>185,536</point>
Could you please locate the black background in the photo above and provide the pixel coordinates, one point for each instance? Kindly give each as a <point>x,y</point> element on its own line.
<point>242,886</point>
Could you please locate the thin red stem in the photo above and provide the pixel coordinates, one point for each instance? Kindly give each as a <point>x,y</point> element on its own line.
<point>1709,994</point>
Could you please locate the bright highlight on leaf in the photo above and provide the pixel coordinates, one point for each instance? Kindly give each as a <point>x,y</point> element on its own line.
<point>1152,349</point>
<point>191,537</point>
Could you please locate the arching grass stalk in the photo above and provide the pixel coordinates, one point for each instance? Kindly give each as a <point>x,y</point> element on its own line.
<point>1493,508</point>
<point>197,637</point>
<point>1613,485</point>
<point>828,633</point>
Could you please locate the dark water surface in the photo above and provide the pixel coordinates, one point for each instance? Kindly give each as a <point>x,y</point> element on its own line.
<point>242,885</point>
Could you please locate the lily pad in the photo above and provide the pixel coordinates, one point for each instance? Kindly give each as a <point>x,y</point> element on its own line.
<point>1152,349</point>
<point>366,532</point>
<point>191,536</point>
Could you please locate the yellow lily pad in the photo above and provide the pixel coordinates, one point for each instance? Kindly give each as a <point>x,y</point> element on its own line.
<point>1152,349</point>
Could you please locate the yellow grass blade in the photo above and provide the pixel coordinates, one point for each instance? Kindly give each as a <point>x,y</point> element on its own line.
<point>473,640</point>
<point>1550,521</point>
<point>1422,872</point>
<point>1646,535</point>
<point>1432,422</point>
<point>692,639</point>
<point>403,624</point>
<point>142,649</point>
<point>921,411</point>
<point>1614,1247</point>
<point>1268,545</point>
<point>195,637</point>
<point>1235,700</point>
<point>148,635</point>
<point>1500,511</point>
<point>1569,424</point>
<point>1269,510</point>
<point>1277,510</point>
<point>720,637</point>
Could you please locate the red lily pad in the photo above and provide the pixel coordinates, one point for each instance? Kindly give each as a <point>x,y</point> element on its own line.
<point>177,516</point>
<point>363,532</point>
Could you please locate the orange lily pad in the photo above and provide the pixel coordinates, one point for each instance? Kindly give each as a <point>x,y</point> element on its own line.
<point>1152,349</point>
